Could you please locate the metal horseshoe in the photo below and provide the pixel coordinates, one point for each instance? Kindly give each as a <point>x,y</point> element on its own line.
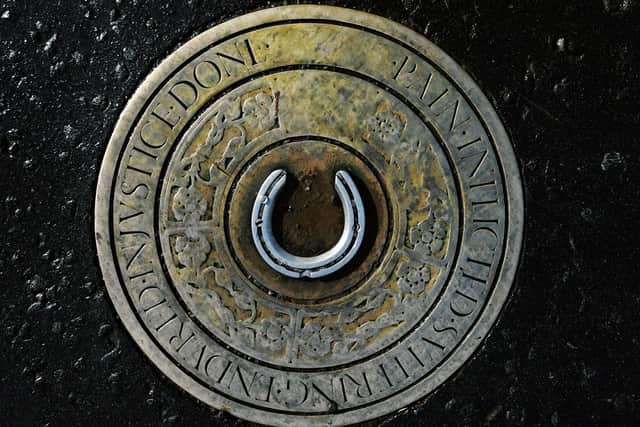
<point>315,266</point>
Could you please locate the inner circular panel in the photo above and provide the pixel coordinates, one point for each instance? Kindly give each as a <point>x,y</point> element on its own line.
<point>308,217</point>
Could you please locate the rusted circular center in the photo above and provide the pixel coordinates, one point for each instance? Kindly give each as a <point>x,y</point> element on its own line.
<point>308,217</point>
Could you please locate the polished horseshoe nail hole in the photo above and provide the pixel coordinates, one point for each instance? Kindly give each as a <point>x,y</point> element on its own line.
<point>316,266</point>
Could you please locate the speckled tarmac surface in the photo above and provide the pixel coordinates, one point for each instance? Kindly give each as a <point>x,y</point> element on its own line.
<point>563,77</point>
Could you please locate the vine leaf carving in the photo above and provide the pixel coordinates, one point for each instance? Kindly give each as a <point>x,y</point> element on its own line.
<point>189,208</point>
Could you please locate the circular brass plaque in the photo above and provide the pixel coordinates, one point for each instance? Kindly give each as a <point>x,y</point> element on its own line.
<point>308,216</point>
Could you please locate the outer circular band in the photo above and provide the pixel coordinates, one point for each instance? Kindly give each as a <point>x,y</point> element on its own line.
<point>407,37</point>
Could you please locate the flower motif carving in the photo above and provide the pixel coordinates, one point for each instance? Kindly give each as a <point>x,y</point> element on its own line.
<point>429,235</point>
<point>192,249</point>
<point>260,112</point>
<point>273,334</point>
<point>385,126</point>
<point>315,339</point>
<point>189,205</point>
<point>413,278</point>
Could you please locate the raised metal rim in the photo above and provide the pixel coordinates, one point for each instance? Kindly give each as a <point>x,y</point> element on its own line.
<point>464,82</point>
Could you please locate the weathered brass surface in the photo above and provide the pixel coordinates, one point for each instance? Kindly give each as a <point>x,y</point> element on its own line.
<point>311,91</point>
